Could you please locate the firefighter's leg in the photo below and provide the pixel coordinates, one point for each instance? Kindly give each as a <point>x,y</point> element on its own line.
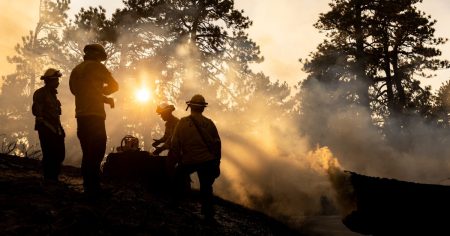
<point>60,154</point>
<point>206,178</point>
<point>48,153</point>
<point>92,135</point>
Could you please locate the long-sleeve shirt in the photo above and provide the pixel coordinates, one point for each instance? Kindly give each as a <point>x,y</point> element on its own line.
<point>188,146</point>
<point>170,125</point>
<point>47,109</point>
<point>90,81</point>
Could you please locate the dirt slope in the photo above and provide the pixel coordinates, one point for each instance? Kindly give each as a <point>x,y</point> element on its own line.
<point>30,207</point>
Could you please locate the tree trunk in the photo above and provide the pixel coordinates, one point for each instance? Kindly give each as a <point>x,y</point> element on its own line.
<point>398,76</point>
<point>198,19</point>
<point>387,71</point>
<point>360,58</point>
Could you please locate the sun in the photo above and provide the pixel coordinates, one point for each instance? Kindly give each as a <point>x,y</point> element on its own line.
<point>143,94</point>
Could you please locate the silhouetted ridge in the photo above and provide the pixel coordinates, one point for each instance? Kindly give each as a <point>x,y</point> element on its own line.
<point>393,207</point>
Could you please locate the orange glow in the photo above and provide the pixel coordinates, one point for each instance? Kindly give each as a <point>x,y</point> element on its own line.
<point>143,94</point>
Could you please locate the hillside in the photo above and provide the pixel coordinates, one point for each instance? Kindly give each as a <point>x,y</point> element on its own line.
<point>30,207</point>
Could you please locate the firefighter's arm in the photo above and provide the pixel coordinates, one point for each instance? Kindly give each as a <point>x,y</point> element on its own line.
<point>166,136</point>
<point>111,84</point>
<point>217,142</point>
<point>158,150</point>
<point>175,144</point>
<point>156,142</point>
<point>109,101</point>
<point>51,127</point>
<point>163,147</point>
<point>37,108</point>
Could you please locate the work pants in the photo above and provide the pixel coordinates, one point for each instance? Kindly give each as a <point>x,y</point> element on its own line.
<point>207,173</point>
<point>53,152</point>
<point>92,135</point>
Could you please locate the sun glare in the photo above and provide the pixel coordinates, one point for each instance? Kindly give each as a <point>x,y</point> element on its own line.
<point>143,95</point>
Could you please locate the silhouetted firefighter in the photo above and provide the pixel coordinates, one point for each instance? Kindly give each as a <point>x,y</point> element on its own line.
<point>165,111</point>
<point>196,147</point>
<point>90,81</point>
<point>47,109</point>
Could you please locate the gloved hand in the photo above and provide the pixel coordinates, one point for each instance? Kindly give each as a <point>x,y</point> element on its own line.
<point>156,143</point>
<point>110,101</point>
<point>157,151</point>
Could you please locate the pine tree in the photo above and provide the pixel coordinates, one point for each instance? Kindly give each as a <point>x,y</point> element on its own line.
<point>374,55</point>
<point>37,51</point>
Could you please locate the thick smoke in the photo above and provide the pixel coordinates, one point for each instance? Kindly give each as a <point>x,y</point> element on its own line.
<point>418,154</point>
<point>267,165</point>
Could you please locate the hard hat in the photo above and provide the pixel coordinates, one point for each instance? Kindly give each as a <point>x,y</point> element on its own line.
<point>51,74</point>
<point>163,107</point>
<point>96,49</point>
<point>197,100</point>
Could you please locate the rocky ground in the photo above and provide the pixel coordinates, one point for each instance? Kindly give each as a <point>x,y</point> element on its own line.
<point>28,206</point>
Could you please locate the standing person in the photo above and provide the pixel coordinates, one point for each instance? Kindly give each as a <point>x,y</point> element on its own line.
<point>90,81</point>
<point>197,148</point>
<point>47,109</point>
<point>165,111</point>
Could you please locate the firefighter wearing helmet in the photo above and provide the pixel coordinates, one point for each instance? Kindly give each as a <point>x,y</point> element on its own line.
<point>91,83</point>
<point>165,111</point>
<point>196,147</point>
<point>47,110</point>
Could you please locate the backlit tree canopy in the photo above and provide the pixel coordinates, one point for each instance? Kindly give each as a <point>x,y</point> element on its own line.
<point>173,48</point>
<point>374,54</point>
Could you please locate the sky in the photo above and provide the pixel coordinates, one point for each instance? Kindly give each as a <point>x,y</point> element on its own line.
<point>283,29</point>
